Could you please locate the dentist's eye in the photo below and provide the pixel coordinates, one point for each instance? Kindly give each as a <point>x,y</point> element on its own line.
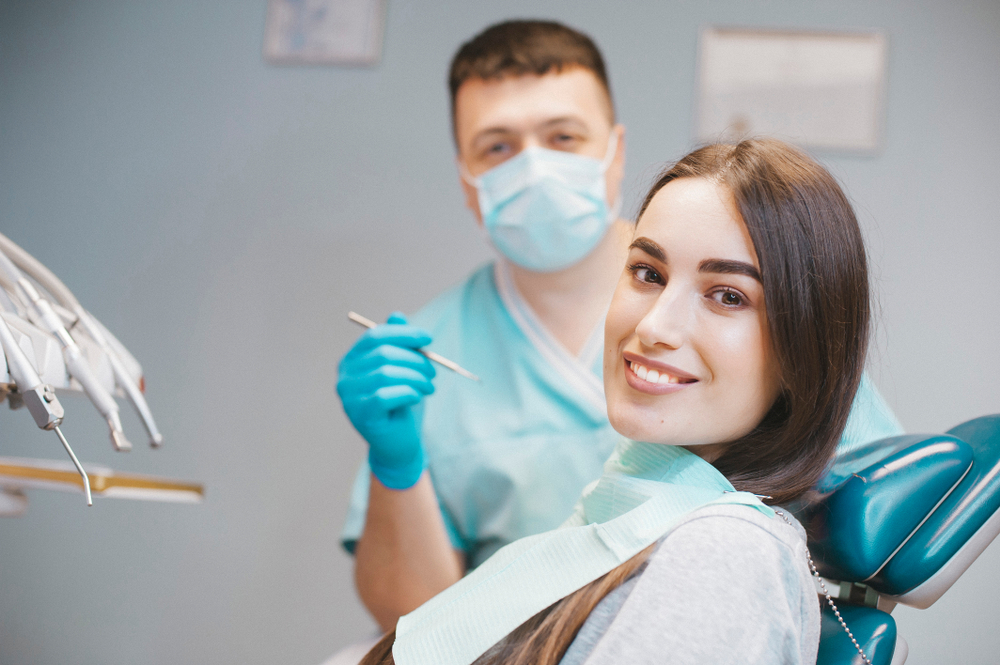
<point>729,298</point>
<point>564,141</point>
<point>645,274</point>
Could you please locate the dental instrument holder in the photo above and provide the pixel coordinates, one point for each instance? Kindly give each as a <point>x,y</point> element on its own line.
<point>47,279</point>
<point>42,314</point>
<point>898,521</point>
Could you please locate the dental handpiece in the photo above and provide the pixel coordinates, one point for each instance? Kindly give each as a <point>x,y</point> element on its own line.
<point>40,398</point>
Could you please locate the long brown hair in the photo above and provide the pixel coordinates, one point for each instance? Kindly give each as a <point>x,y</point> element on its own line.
<point>815,276</point>
<point>545,637</point>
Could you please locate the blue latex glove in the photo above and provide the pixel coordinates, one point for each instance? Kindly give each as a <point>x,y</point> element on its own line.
<point>381,379</point>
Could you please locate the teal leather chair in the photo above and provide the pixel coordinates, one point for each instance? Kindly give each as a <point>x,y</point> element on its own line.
<point>898,521</point>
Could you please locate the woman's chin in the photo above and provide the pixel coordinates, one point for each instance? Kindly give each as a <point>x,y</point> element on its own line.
<point>639,425</point>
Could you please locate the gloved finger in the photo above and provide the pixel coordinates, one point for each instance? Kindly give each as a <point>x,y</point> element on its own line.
<point>390,398</point>
<point>397,317</point>
<point>386,355</point>
<point>402,335</point>
<point>389,375</point>
<point>383,377</point>
<point>367,410</point>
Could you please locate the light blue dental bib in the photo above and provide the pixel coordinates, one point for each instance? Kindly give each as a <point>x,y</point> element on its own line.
<point>644,491</point>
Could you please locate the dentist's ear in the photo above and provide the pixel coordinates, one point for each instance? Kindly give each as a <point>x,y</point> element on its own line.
<point>468,189</point>
<point>615,174</point>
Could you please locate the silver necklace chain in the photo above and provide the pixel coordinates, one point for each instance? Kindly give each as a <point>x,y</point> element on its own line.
<point>829,600</point>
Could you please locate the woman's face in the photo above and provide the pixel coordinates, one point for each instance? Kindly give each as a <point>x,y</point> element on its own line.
<point>688,357</point>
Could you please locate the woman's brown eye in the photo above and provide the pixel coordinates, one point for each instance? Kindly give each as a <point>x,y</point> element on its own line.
<point>728,298</point>
<point>648,275</point>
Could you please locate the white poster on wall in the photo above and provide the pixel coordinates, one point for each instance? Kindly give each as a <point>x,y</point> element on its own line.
<point>817,89</point>
<point>324,32</point>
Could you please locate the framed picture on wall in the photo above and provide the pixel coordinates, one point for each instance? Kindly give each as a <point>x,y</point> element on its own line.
<point>816,89</point>
<point>324,32</point>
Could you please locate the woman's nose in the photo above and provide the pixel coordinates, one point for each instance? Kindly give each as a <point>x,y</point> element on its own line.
<point>666,323</point>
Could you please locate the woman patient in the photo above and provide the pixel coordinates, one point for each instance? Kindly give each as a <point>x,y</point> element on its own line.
<point>734,345</point>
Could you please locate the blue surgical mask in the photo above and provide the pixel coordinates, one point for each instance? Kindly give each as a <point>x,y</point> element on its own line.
<point>545,209</point>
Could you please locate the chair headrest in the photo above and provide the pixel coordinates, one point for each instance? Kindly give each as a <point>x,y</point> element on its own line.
<point>907,515</point>
<point>856,529</point>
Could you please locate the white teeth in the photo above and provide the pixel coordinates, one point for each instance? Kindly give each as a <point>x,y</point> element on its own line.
<point>652,375</point>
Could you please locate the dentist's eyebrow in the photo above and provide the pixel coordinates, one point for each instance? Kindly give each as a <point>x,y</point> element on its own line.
<point>565,120</point>
<point>727,267</point>
<point>650,247</point>
<point>491,134</point>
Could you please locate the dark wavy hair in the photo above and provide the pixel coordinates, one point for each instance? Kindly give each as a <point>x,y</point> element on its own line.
<point>815,275</point>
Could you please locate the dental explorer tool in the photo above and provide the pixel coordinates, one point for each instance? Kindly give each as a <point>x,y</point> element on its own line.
<point>439,359</point>
<point>45,317</point>
<point>65,297</point>
<point>40,398</point>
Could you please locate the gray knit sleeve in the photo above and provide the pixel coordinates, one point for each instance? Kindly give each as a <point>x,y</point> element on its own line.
<point>724,587</point>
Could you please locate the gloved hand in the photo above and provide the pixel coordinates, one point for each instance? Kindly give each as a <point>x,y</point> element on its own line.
<point>381,379</point>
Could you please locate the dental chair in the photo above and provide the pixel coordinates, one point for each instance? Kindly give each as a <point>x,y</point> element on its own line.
<point>898,521</point>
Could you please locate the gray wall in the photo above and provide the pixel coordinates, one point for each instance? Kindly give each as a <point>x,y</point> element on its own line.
<point>221,215</point>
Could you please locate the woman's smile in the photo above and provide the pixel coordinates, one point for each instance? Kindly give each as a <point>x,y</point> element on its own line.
<point>654,378</point>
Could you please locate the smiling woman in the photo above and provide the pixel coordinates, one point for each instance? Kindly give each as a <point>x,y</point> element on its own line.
<point>690,321</point>
<point>734,346</point>
<point>762,265</point>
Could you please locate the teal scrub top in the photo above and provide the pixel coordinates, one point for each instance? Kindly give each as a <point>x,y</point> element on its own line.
<point>510,456</point>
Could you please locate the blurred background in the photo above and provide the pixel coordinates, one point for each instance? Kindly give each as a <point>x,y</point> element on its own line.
<point>221,214</point>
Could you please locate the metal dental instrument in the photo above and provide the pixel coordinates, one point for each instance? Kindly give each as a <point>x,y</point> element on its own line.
<point>79,467</point>
<point>34,268</point>
<point>439,359</point>
<point>45,317</point>
<point>40,398</point>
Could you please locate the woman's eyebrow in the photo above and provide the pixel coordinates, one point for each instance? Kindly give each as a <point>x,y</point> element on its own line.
<point>728,267</point>
<point>650,247</point>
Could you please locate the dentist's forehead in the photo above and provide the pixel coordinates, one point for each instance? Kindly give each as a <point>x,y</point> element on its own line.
<point>523,102</point>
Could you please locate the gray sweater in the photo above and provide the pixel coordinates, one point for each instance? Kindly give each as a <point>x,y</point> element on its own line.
<point>727,585</point>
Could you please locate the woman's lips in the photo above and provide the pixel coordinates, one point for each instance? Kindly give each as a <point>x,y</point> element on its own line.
<point>654,378</point>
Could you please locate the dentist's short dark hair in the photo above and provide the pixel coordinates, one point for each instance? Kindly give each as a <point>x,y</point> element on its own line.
<point>521,48</point>
<point>815,275</point>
